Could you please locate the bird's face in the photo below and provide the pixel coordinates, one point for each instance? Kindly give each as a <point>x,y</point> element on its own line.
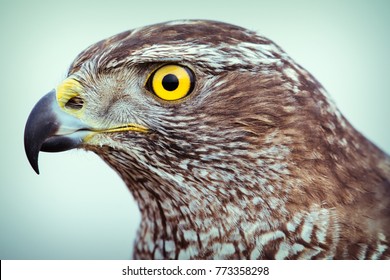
<point>225,142</point>
<point>196,104</point>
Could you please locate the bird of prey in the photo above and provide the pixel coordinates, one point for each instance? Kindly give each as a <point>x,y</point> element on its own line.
<point>230,148</point>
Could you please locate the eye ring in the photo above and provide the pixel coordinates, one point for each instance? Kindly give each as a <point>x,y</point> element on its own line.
<point>171,82</point>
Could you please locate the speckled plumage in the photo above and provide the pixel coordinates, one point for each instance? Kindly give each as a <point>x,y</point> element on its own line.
<point>256,163</point>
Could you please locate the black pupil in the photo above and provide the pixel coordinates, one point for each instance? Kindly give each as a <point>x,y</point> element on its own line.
<point>170,82</point>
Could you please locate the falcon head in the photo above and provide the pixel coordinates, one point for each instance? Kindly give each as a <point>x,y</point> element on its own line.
<point>219,135</point>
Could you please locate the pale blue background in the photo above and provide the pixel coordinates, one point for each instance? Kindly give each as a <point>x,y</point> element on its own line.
<point>78,208</point>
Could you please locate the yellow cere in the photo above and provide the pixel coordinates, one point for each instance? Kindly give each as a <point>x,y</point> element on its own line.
<point>171,82</point>
<point>68,89</point>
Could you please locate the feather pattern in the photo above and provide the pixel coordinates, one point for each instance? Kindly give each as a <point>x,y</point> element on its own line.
<point>256,163</point>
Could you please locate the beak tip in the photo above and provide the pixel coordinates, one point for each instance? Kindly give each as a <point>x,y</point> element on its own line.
<point>37,128</point>
<point>34,165</point>
<point>36,169</point>
<point>32,156</point>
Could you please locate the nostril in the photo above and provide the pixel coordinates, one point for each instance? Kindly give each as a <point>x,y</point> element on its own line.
<point>68,95</point>
<point>75,103</point>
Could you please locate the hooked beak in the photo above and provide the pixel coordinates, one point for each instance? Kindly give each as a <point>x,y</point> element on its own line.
<point>50,129</point>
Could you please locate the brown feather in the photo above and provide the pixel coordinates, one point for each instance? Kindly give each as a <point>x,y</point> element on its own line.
<point>255,163</point>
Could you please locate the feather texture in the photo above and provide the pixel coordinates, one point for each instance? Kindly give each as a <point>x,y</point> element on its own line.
<point>256,163</point>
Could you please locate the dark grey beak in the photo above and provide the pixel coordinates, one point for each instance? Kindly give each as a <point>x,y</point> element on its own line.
<point>50,129</point>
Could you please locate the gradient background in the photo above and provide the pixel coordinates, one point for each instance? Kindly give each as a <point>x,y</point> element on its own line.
<point>78,208</point>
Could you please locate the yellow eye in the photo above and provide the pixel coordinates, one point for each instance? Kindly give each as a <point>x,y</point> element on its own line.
<point>171,82</point>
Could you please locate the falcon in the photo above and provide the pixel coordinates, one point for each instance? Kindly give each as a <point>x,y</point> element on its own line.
<point>231,149</point>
